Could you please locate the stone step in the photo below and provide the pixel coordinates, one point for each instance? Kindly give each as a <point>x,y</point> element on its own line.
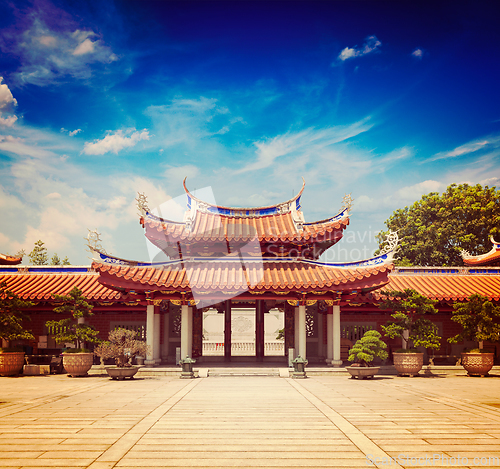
<point>213,372</point>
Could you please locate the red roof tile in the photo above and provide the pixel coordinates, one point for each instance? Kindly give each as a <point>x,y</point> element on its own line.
<point>228,275</point>
<point>445,286</point>
<point>219,228</point>
<point>41,286</point>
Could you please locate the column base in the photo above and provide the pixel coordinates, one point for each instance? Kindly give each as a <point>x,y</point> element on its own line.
<point>152,362</point>
<point>337,363</point>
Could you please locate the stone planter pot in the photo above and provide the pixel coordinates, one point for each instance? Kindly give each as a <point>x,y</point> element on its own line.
<point>78,364</point>
<point>408,363</point>
<point>11,363</point>
<point>120,373</point>
<point>477,364</point>
<point>363,372</point>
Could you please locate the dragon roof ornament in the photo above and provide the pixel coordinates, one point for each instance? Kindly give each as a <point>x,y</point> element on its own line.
<point>347,201</point>
<point>392,240</point>
<point>94,242</point>
<point>142,204</point>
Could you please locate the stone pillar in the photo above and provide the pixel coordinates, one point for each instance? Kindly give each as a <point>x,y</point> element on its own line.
<point>150,326</point>
<point>302,331</point>
<point>259,330</point>
<point>227,331</point>
<point>336,336</point>
<point>329,335</point>
<point>186,331</point>
<point>296,330</point>
<point>156,335</point>
<point>166,335</point>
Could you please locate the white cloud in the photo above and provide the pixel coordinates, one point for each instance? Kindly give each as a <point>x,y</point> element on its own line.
<point>304,142</point>
<point>48,54</point>
<point>115,142</point>
<point>371,45</point>
<point>418,53</point>
<point>7,103</point>
<point>18,146</point>
<point>490,143</point>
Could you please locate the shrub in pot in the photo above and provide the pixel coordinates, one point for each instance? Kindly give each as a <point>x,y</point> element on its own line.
<point>77,361</point>
<point>122,345</point>
<point>12,317</point>
<point>479,319</point>
<point>408,323</point>
<point>363,353</point>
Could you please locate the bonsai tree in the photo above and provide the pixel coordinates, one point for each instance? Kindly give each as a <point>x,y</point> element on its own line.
<point>408,322</point>
<point>12,316</point>
<point>73,329</point>
<point>479,318</point>
<point>367,348</point>
<point>122,345</point>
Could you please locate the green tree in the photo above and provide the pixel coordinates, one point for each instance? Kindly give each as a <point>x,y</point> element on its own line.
<point>408,322</point>
<point>65,261</point>
<point>39,254</point>
<point>367,348</point>
<point>12,315</point>
<point>73,329</point>
<point>55,260</point>
<point>436,228</point>
<point>479,318</point>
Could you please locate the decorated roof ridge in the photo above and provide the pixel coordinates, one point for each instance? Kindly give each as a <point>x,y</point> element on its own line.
<point>493,255</point>
<point>5,259</point>
<point>221,209</point>
<point>46,269</point>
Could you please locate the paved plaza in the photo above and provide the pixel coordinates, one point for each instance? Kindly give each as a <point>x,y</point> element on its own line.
<point>249,421</point>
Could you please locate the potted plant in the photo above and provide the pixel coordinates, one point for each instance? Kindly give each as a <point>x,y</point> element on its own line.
<point>77,361</point>
<point>122,345</point>
<point>363,352</point>
<point>11,328</point>
<point>408,323</point>
<point>479,319</point>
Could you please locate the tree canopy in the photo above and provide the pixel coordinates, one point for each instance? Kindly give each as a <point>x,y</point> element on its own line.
<point>39,256</point>
<point>12,315</point>
<point>434,230</point>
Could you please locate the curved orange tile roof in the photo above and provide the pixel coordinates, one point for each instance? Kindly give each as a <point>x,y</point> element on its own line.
<point>219,228</point>
<point>41,286</point>
<point>228,275</point>
<point>490,258</point>
<point>5,259</point>
<point>443,286</point>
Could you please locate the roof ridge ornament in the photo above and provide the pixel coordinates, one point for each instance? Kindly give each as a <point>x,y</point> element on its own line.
<point>94,242</point>
<point>142,204</point>
<point>392,240</point>
<point>347,201</point>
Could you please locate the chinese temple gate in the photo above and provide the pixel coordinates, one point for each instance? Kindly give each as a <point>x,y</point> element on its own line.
<point>260,258</point>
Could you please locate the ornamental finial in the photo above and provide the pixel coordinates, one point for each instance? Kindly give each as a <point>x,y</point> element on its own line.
<point>142,204</point>
<point>94,242</point>
<point>392,240</point>
<point>465,254</point>
<point>347,201</point>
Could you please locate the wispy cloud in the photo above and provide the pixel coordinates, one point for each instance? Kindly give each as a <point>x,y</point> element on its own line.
<point>486,144</point>
<point>371,45</point>
<point>46,54</point>
<point>418,53</point>
<point>307,141</point>
<point>115,142</point>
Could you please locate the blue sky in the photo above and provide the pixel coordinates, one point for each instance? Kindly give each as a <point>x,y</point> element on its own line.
<point>101,100</point>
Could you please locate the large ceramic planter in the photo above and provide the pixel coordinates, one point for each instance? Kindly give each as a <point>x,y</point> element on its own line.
<point>78,364</point>
<point>477,364</point>
<point>11,363</point>
<point>121,373</point>
<point>408,363</point>
<point>362,372</point>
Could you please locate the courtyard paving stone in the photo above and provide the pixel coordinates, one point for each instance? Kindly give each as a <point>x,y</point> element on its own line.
<point>240,421</point>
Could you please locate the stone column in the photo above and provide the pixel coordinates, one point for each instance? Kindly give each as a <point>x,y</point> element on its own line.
<point>336,337</point>
<point>186,331</point>
<point>329,335</point>
<point>156,336</point>
<point>227,331</point>
<point>302,331</point>
<point>166,335</point>
<point>259,330</point>
<point>296,330</point>
<point>150,326</point>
